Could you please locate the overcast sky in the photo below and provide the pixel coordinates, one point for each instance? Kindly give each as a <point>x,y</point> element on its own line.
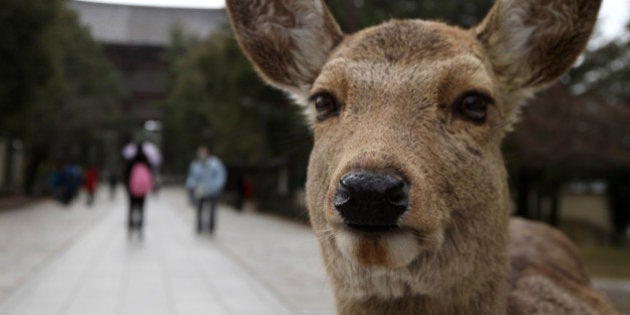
<point>614,14</point>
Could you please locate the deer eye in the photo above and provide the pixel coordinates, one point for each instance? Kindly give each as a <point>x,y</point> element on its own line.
<point>326,105</point>
<point>474,106</point>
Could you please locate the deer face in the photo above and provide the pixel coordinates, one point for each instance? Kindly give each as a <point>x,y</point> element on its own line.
<point>406,143</point>
<point>406,186</point>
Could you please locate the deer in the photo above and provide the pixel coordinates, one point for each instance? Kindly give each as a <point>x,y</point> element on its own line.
<point>406,185</point>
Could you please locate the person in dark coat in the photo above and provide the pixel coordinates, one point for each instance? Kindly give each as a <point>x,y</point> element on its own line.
<point>139,182</point>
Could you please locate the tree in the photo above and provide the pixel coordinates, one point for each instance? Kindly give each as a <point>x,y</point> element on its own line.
<point>357,14</point>
<point>604,76</point>
<point>561,137</point>
<point>66,89</point>
<point>577,130</point>
<point>216,97</point>
<point>25,61</point>
<point>604,72</point>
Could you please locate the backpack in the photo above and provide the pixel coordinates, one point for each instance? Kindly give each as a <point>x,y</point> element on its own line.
<point>140,180</point>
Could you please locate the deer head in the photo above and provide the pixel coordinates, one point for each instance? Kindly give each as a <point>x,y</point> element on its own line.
<point>406,185</point>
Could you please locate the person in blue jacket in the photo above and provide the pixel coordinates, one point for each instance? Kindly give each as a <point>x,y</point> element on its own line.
<point>205,182</point>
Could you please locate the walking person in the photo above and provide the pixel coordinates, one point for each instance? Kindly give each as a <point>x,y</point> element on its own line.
<point>244,191</point>
<point>113,181</point>
<point>205,182</point>
<point>139,181</point>
<point>70,181</point>
<point>91,181</point>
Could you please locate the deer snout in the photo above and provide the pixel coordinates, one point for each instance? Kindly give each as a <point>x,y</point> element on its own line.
<point>371,202</point>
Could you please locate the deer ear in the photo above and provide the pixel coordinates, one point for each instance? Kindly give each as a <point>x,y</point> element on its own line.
<point>533,42</point>
<point>288,41</point>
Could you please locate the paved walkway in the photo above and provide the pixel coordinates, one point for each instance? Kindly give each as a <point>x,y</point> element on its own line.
<point>32,236</point>
<point>80,260</point>
<point>253,264</point>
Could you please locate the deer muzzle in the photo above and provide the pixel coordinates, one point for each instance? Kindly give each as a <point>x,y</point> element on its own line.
<point>371,202</point>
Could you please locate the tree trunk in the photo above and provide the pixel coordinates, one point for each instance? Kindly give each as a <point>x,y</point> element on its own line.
<point>8,167</point>
<point>619,203</point>
<point>523,184</point>
<point>35,159</point>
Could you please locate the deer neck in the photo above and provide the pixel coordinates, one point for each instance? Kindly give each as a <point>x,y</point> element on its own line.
<point>486,294</point>
<point>491,299</point>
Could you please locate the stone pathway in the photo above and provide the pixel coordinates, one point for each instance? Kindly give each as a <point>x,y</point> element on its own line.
<point>80,260</point>
<point>253,264</point>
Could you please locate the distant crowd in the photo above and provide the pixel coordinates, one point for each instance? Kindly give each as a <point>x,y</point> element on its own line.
<point>205,182</point>
<point>65,182</point>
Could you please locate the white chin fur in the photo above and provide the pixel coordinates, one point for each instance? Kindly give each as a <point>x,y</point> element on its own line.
<point>346,243</point>
<point>401,248</point>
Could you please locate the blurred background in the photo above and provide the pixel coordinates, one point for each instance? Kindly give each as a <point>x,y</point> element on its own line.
<point>79,80</point>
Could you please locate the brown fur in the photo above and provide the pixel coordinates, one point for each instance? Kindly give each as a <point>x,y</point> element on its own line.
<point>547,274</point>
<point>397,85</point>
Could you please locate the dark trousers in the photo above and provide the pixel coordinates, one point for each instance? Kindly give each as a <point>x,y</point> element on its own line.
<point>90,198</point>
<point>136,206</point>
<point>204,203</point>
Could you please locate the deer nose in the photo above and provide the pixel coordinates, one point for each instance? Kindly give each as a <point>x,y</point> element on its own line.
<point>370,201</point>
